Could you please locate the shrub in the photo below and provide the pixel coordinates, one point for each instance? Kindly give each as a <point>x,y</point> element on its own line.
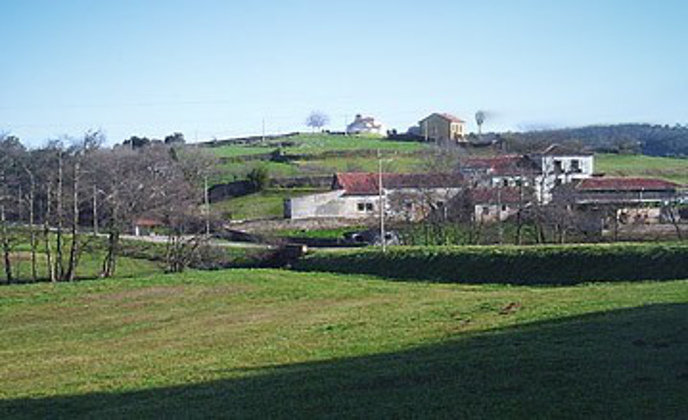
<point>545,264</point>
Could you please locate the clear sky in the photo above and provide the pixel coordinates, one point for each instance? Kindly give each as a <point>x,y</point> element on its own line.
<point>219,68</point>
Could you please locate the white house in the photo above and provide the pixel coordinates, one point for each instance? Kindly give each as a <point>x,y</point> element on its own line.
<point>542,171</point>
<point>357,196</point>
<point>365,125</point>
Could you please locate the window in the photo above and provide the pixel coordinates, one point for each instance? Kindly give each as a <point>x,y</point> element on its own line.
<point>486,210</point>
<point>505,182</point>
<point>369,206</point>
<point>361,206</point>
<point>503,208</point>
<point>557,166</point>
<point>575,166</point>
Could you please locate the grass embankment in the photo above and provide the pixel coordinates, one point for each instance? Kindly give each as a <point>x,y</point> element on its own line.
<point>268,204</point>
<point>542,264</point>
<point>672,169</point>
<point>271,343</point>
<point>317,143</point>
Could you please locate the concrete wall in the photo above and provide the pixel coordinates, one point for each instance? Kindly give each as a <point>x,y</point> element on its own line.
<point>332,204</point>
<point>490,213</point>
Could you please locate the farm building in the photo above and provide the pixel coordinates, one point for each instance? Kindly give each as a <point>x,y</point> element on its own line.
<point>365,125</point>
<point>443,128</point>
<point>357,196</point>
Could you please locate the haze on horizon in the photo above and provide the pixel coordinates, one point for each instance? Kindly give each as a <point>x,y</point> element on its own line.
<point>219,69</point>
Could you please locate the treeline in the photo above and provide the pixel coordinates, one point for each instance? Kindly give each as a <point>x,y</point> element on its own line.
<point>654,140</point>
<point>532,265</point>
<point>60,196</point>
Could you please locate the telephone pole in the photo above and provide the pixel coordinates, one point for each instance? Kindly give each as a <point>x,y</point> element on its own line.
<point>381,204</point>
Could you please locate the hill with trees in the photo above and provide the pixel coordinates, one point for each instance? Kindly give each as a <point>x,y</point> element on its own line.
<point>653,140</point>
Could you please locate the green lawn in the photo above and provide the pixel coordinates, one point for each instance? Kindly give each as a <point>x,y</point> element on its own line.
<point>318,143</point>
<point>262,205</point>
<point>672,169</point>
<point>270,343</point>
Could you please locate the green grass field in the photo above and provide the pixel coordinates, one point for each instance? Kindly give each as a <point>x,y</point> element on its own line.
<point>262,205</point>
<point>672,169</point>
<point>318,143</point>
<point>270,343</point>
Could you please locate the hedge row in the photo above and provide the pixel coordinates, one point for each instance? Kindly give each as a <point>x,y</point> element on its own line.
<point>547,264</point>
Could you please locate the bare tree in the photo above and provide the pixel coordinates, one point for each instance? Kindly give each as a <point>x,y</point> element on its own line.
<point>317,120</point>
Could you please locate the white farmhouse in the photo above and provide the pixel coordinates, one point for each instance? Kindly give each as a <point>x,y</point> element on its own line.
<point>365,125</point>
<point>357,196</point>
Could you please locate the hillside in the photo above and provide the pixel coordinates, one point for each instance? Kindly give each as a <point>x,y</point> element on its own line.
<point>269,343</point>
<point>653,140</point>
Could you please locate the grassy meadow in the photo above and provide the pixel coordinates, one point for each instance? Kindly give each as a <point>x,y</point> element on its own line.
<point>271,343</point>
<point>672,169</point>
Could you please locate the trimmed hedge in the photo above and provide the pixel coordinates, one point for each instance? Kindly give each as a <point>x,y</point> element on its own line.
<point>546,264</point>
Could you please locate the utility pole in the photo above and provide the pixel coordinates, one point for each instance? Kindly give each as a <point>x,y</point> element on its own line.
<point>381,204</point>
<point>262,139</point>
<point>95,210</point>
<point>207,205</point>
<point>499,214</point>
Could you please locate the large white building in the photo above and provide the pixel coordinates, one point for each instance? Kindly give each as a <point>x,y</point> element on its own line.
<point>365,125</point>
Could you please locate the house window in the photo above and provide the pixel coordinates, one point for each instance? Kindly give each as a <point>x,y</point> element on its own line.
<point>369,206</point>
<point>503,208</point>
<point>557,166</point>
<point>361,206</point>
<point>575,166</point>
<point>505,182</point>
<point>486,210</point>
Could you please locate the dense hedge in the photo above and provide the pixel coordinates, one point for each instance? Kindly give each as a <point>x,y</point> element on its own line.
<point>551,264</point>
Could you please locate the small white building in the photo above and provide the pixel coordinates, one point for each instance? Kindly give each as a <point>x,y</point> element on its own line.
<point>357,196</point>
<point>365,125</point>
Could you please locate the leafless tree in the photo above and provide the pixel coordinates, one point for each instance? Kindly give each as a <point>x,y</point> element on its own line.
<point>317,120</point>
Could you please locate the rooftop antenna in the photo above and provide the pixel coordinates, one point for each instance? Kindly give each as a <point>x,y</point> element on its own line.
<point>480,119</point>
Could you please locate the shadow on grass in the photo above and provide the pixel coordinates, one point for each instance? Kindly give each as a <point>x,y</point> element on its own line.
<point>620,364</point>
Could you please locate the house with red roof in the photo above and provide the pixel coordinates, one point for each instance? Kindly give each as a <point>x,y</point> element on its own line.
<point>634,200</point>
<point>356,195</point>
<point>443,128</point>
<point>542,171</point>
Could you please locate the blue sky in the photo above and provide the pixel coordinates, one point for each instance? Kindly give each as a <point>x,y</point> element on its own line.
<point>219,68</point>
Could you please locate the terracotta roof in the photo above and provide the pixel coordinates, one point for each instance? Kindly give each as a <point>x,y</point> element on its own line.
<point>625,184</point>
<point>366,183</point>
<point>559,150</point>
<point>448,117</point>
<point>147,222</point>
<point>500,165</point>
<point>497,195</point>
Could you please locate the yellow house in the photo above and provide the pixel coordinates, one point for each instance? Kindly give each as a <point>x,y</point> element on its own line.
<point>443,128</point>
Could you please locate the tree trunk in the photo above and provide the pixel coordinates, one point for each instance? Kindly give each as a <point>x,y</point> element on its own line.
<point>110,261</point>
<point>59,268</point>
<point>71,268</point>
<point>5,245</point>
<point>32,227</point>
<point>46,235</point>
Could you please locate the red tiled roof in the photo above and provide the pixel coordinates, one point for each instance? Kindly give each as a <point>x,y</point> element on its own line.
<point>499,165</point>
<point>625,184</point>
<point>497,195</point>
<point>448,117</point>
<point>452,118</point>
<point>366,183</point>
<point>559,150</point>
<point>147,222</point>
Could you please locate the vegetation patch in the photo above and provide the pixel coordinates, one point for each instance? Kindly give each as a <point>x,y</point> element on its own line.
<point>543,264</point>
<point>273,343</point>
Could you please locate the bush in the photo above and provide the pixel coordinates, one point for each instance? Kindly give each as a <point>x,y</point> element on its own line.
<point>546,264</point>
<point>259,178</point>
